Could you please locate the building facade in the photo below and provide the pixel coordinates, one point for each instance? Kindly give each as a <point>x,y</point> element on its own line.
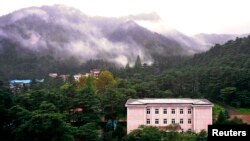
<point>191,114</point>
<point>95,72</point>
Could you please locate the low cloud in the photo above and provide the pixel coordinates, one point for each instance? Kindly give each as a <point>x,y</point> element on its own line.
<point>70,33</point>
<point>152,17</point>
<point>30,11</point>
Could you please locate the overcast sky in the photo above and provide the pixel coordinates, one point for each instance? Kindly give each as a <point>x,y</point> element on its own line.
<point>188,16</point>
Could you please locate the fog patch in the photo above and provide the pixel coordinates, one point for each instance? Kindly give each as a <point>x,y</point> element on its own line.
<point>30,11</point>
<point>152,17</point>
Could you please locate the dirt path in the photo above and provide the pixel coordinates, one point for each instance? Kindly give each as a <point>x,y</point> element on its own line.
<point>245,118</point>
<point>231,110</point>
<point>233,113</point>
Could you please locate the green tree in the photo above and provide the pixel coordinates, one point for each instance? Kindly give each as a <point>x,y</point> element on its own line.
<point>112,102</point>
<point>81,83</point>
<point>119,133</point>
<point>105,80</point>
<point>172,136</point>
<point>221,118</point>
<point>19,115</point>
<point>89,103</point>
<point>138,64</point>
<point>44,127</point>
<point>201,136</point>
<point>127,67</point>
<point>145,133</point>
<point>227,94</point>
<point>46,107</point>
<point>5,104</point>
<point>243,97</point>
<point>88,132</point>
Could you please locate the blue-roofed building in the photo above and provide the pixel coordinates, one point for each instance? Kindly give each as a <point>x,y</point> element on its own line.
<point>17,86</point>
<point>20,81</point>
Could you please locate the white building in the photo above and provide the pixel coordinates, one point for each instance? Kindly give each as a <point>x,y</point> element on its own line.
<point>191,114</point>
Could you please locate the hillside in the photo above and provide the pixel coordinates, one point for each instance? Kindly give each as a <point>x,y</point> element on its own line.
<point>39,40</point>
<point>69,32</point>
<point>231,54</point>
<point>207,75</point>
<point>212,39</point>
<point>221,74</point>
<point>69,76</point>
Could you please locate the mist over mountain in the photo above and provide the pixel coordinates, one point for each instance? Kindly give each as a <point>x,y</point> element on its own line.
<point>192,44</point>
<point>200,42</point>
<point>212,39</point>
<point>66,32</point>
<point>49,38</point>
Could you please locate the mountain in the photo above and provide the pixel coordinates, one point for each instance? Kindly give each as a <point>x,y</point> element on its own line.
<point>37,40</point>
<point>153,43</point>
<point>221,74</point>
<point>234,54</point>
<point>212,39</point>
<point>58,38</point>
<point>201,42</point>
<point>192,43</point>
<point>67,32</point>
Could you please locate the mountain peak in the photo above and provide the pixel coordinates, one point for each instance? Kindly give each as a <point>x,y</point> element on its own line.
<point>63,32</point>
<point>129,24</point>
<point>62,9</point>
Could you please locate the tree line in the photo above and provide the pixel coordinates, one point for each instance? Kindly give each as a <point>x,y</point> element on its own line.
<point>88,109</point>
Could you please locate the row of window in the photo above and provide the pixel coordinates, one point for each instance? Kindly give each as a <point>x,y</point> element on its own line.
<point>165,121</point>
<point>172,111</point>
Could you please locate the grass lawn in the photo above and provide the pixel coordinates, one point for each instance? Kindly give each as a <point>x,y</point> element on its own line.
<point>243,110</point>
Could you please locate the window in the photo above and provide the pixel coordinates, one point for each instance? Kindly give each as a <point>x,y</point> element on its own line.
<point>165,111</point>
<point>173,111</point>
<point>173,121</point>
<point>165,121</point>
<point>189,111</point>
<point>156,121</point>
<point>189,130</point>
<point>148,111</point>
<point>181,111</point>
<point>156,111</point>
<point>148,121</point>
<point>181,121</point>
<point>189,121</point>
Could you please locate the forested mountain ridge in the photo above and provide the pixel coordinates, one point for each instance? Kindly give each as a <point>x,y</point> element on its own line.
<point>222,73</point>
<point>24,64</point>
<point>49,110</point>
<point>212,39</point>
<point>38,40</point>
<point>56,110</point>
<point>65,32</point>
<point>232,53</point>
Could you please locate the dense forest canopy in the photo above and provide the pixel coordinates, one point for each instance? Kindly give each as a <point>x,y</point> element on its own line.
<point>88,109</point>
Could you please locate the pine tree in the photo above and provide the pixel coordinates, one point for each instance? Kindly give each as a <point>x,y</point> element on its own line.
<point>127,67</point>
<point>138,64</point>
<point>221,118</point>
